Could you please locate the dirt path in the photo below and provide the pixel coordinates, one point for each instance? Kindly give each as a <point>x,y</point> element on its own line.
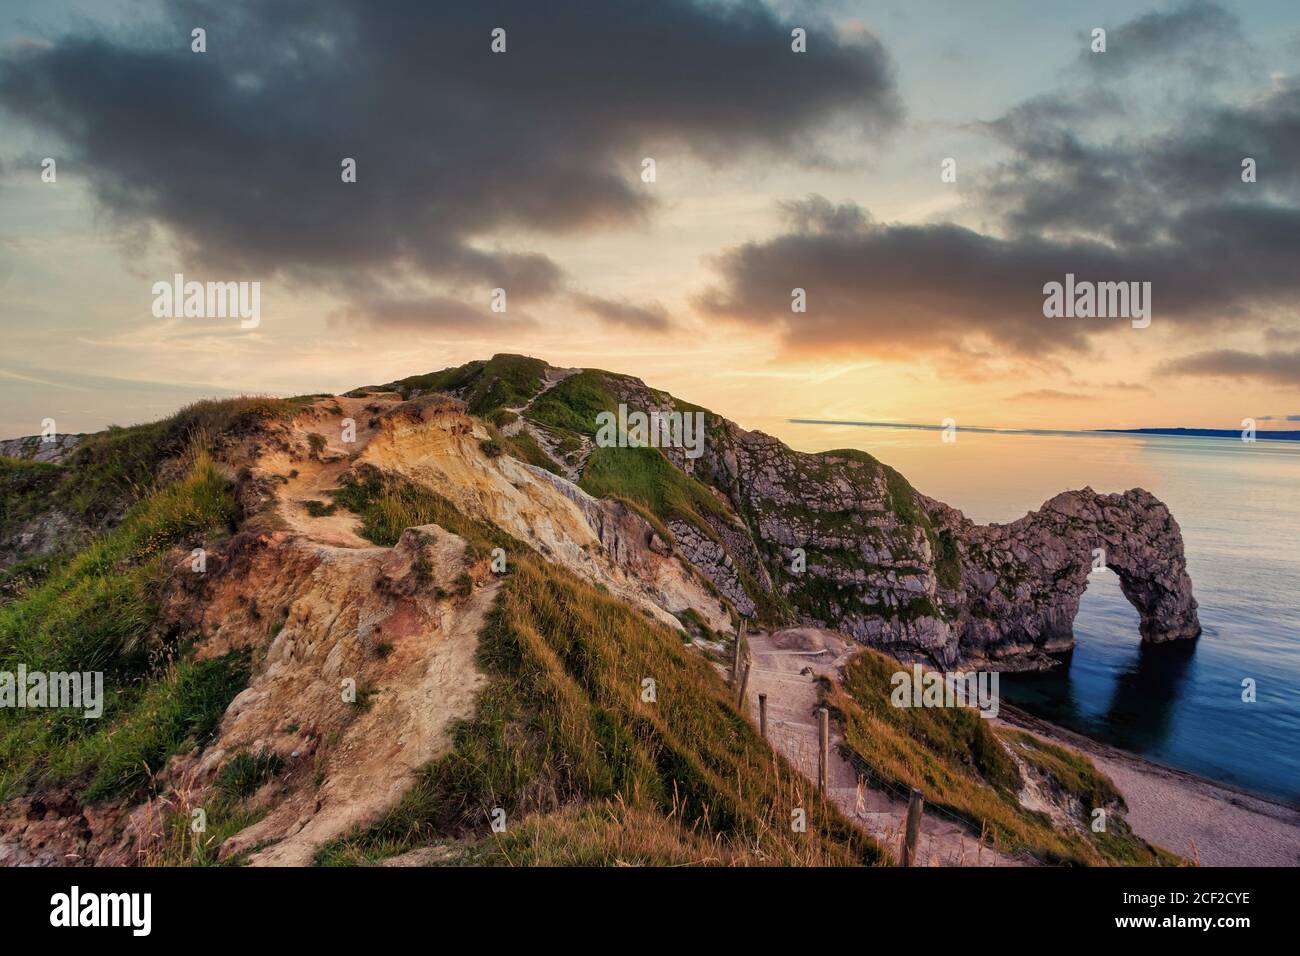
<point>422,685</point>
<point>778,661</point>
<point>549,441</point>
<point>312,479</point>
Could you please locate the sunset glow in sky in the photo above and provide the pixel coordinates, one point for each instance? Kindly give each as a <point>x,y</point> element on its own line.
<point>774,170</point>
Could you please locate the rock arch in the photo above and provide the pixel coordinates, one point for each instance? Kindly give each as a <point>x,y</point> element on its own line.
<point>1021,583</point>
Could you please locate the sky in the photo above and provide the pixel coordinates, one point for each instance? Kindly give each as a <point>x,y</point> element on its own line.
<point>523,170</point>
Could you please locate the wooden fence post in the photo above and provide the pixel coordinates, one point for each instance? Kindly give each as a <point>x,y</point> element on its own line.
<point>823,747</point>
<point>762,715</point>
<point>907,854</point>
<point>745,666</point>
<point>738,655</point>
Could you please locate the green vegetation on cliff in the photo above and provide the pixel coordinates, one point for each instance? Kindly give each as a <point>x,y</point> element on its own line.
<point>97,613</point>
<point>645,476</point>
<point>589,768</point>
<point>574,403</point>
<point>501,382</point>
<point>109,471</point>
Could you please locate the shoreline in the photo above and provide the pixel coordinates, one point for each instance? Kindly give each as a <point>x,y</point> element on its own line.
<point>1208,822</point>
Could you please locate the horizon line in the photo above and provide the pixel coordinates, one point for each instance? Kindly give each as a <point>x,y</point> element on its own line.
<point>1166,431</point>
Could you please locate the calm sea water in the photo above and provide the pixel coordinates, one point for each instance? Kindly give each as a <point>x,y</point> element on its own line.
<point>1181,703</point>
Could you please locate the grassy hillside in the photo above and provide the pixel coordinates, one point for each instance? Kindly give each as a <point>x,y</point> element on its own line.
<point>96,613</point>
<point>603,737</point>
<point>110,471</point>
<point>574,403</point>
<point>645,476</point>
<point>585,768</point>
<point>504,381</point>
<point>961,766</point>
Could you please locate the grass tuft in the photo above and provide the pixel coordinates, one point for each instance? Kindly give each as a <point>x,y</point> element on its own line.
<point>246,772</point>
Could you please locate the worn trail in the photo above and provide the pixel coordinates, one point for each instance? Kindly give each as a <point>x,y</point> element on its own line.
<point>780,660</point>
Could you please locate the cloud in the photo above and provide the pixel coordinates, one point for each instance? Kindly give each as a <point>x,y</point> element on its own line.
<point>1139,187</point>
<point>1278,368</point>
<point>1195,35</point>
<point>1128,387</point>
<point>1049,395</point>
<point>236,153</point>
<point>1088,187</point>
<point>651,317</point>
<point>944,288</point>
<point>889,288</point>
<point>426,313</point>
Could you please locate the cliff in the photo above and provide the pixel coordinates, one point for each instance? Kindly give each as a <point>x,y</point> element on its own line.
<point>840,539</point>
<point>340,627</point>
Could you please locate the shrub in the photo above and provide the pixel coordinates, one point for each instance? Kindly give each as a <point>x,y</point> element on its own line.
<point>246,772</point>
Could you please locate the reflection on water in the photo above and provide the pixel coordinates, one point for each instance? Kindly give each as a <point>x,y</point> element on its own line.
<point>1141,708</point>
<point>1179,703</point>
<point>1122,691</point>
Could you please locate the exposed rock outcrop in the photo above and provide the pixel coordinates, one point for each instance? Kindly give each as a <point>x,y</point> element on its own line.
<point>849,544</point>
<point>1021,582</point>
<point>35,448</point>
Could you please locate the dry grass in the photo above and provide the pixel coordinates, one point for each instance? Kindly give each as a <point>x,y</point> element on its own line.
<point>562,728</point>
<point>963,767</point>
<point>609,834</point>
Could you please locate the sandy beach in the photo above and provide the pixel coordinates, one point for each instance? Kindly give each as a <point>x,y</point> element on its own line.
<point>1210,823</point>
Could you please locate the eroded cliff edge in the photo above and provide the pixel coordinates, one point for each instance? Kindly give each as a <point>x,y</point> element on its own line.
<point>837,539</point>
<point>842,540</point>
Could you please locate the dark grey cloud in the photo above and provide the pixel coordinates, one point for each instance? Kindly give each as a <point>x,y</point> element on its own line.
<point>237,152</point>
<point>883,288</point>
<point>1137,187</point>
<point>1276,368</point>
<point>650,317</point>
<point>945,288</point>
<point>1196,35</point>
